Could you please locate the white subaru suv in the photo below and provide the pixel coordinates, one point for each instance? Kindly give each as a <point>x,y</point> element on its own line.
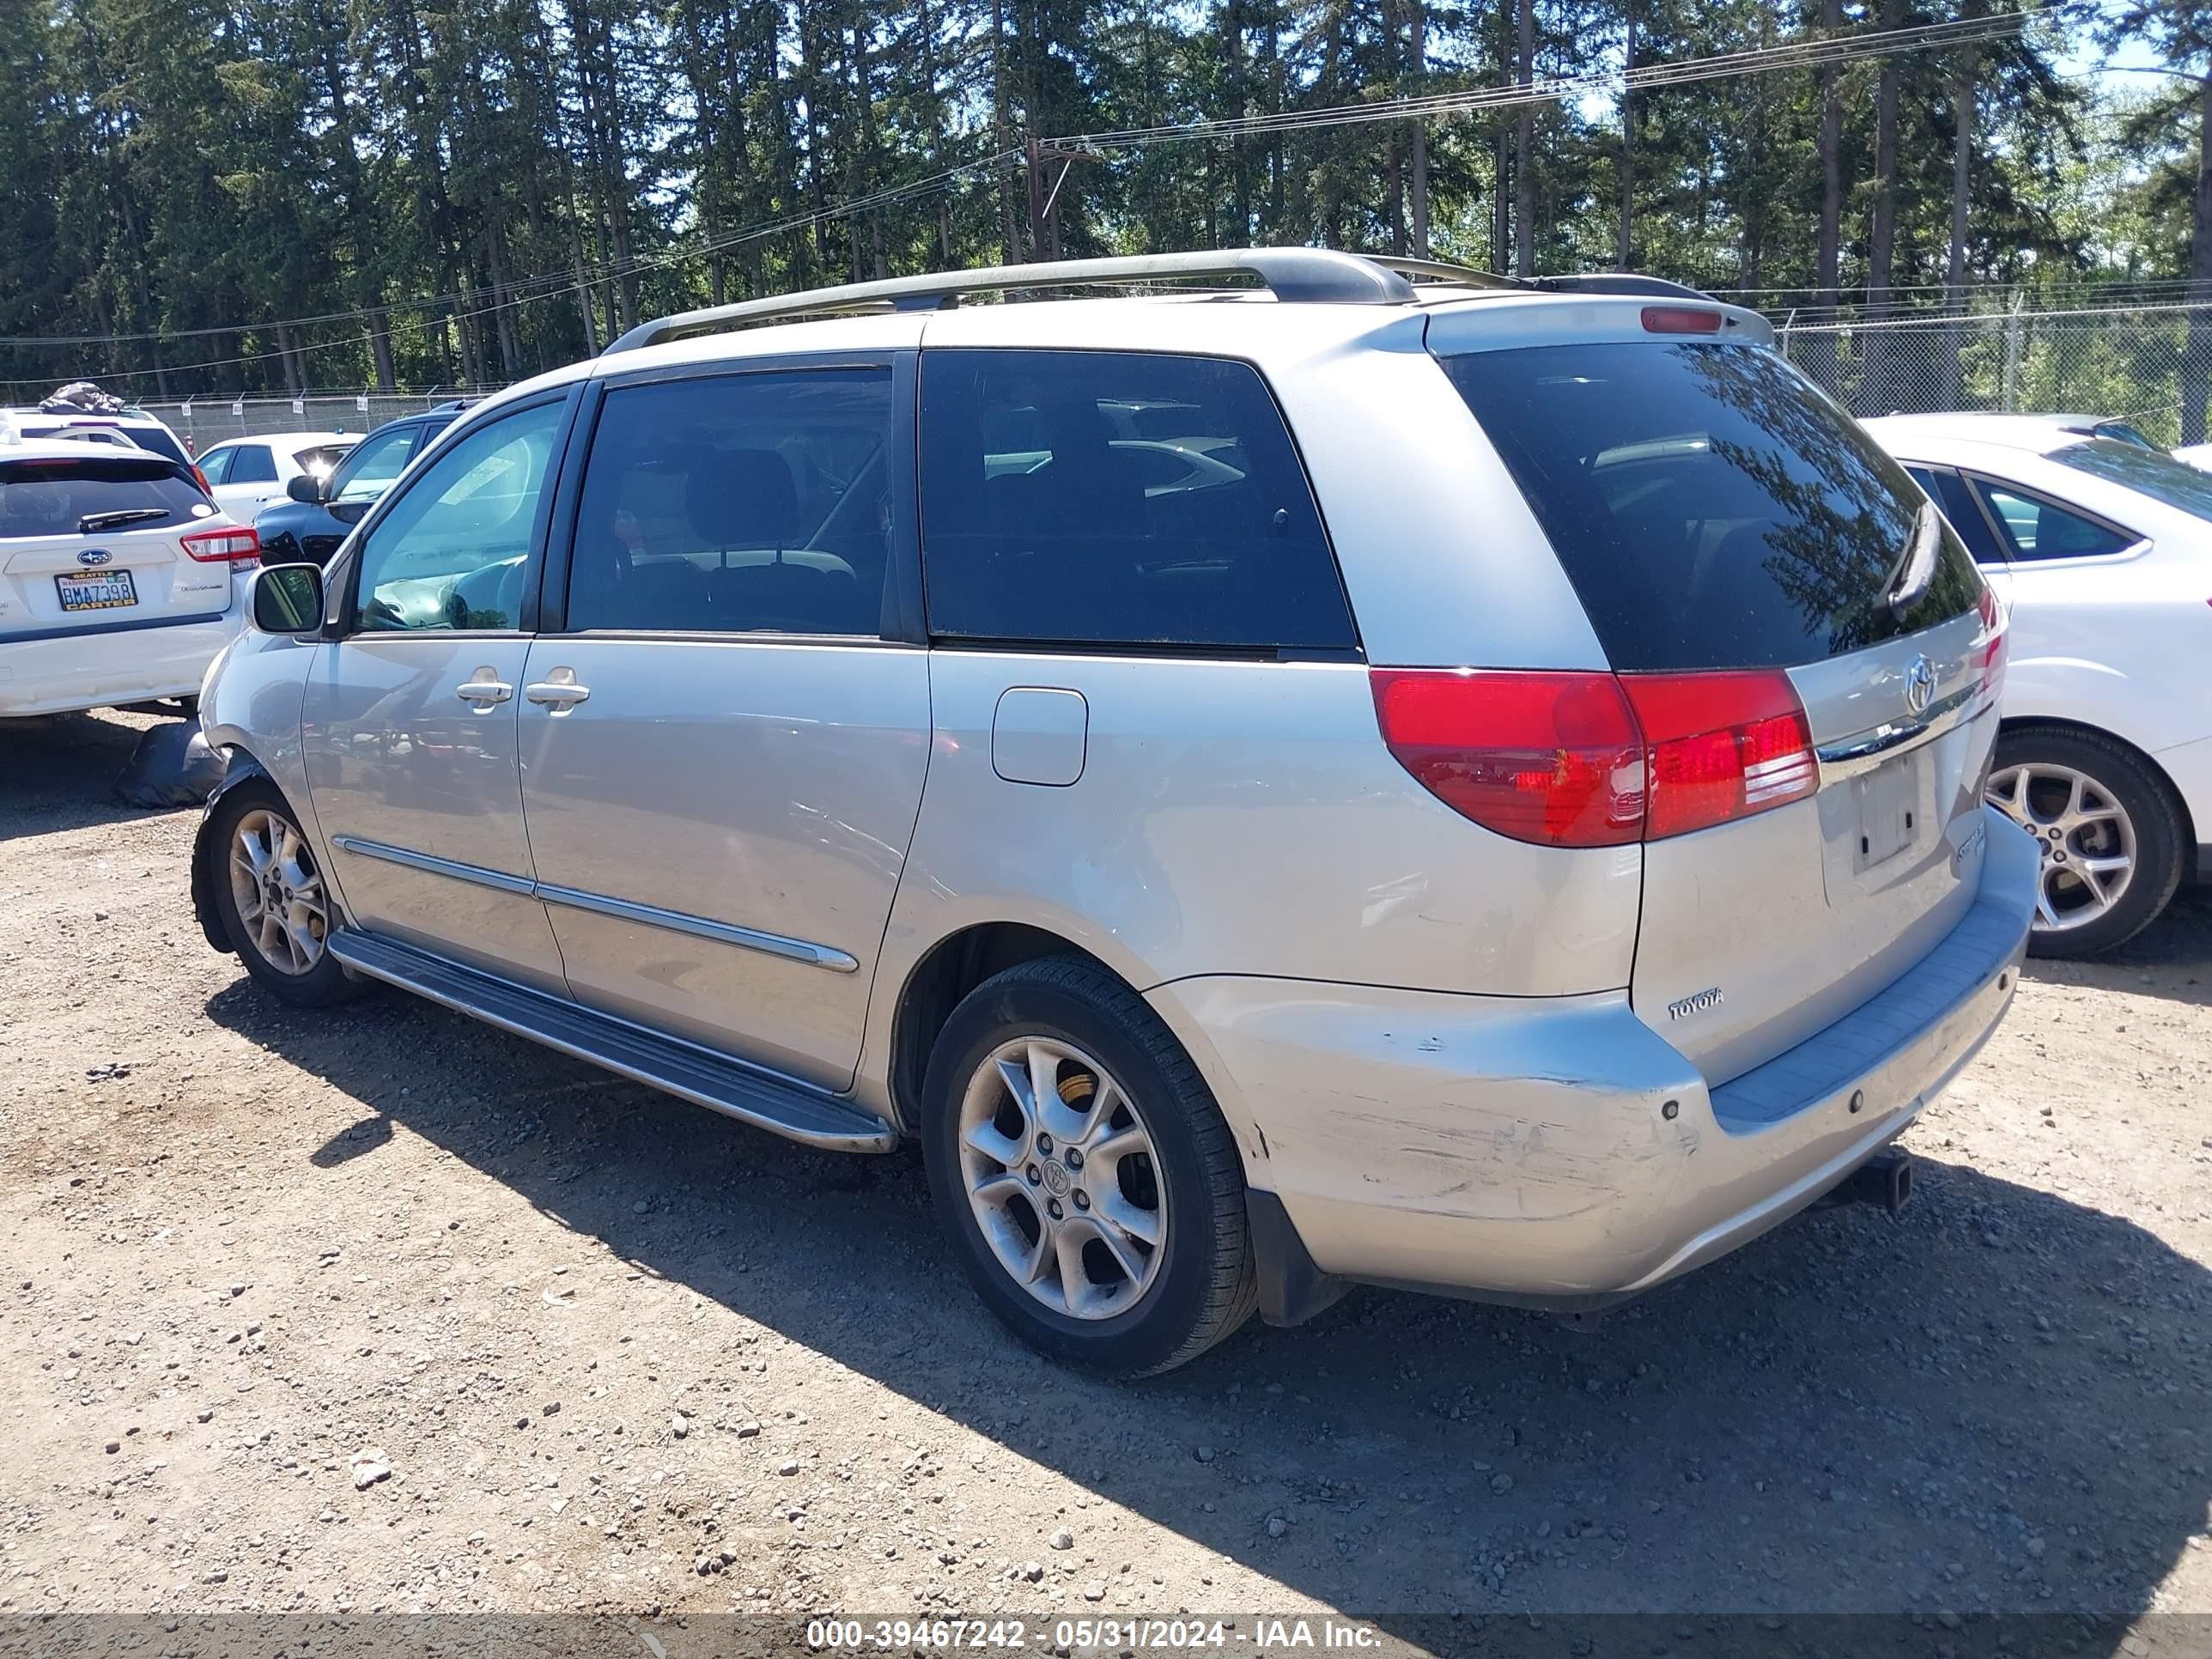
<point>120,582</point>
<point>1467,785</point>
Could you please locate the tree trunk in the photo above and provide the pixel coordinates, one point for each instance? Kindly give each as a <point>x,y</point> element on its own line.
<point>1829,258</point>
<point>1876,394</point>
<point>1524,157</point>
<point>1010,226</point>
<point>2197,352</point>
<point>1965,115</point>
<point>1626,259</point>
<point>1417,22</point>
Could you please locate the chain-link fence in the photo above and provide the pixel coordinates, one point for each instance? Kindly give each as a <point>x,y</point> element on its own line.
<point>206,421</point>
<point>2150,364</point>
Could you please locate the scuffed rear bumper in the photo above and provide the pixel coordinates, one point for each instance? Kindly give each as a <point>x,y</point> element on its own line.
<point>1558,1151</point>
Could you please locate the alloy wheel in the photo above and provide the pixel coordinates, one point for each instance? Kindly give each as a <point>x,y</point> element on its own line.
<point>2084,836</point>
<point>1062,1178</point>
<point>278,892</point>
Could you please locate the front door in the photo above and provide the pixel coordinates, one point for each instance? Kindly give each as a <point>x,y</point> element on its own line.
<point>722,752</point>
<point>409,718</point>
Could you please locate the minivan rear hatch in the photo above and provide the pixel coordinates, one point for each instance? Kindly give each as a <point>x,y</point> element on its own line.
<point>1809,652</point>
<point>107,538</point>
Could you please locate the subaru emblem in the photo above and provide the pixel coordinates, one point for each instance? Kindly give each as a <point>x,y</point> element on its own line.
<point>93,557</point>
<point>1919,685</point>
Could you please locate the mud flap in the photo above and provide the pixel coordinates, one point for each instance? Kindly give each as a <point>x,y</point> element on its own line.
<point>1292,1290</point>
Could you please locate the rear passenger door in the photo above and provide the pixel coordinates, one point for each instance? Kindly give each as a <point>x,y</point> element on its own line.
<point>725,729</point>
<point>1140,643</point>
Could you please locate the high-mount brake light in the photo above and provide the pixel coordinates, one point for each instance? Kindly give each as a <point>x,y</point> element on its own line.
<point>1680,320</point>
<point>1589,759</point>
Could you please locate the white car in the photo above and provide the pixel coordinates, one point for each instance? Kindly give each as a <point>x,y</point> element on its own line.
<point>132,425</point>
<point>120,582</point>
<point>248,474</point>
<point>2102,549</point>
<point>2196,455</point>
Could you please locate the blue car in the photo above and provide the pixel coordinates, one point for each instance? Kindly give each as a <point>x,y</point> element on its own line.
<point>322,512</point>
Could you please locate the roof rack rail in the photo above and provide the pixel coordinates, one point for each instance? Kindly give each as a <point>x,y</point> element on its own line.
<point>1617,281</point>
<point>1443,270</point>
<point>1307,275</point>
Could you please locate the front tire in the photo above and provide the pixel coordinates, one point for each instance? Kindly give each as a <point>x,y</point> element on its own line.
<point>1082,1173</point>
<point>2106,826</point>
<point>277,909</point>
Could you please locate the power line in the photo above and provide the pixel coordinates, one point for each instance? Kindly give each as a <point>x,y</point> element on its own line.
<point>1796,54</point>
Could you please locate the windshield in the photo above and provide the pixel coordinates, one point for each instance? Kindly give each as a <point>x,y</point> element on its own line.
<point>2147,471</point>
<point>1712,508</point>
<point>379,458</point>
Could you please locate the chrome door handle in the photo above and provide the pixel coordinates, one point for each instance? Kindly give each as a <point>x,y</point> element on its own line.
<point>484,691</point>
<point>558,694</point>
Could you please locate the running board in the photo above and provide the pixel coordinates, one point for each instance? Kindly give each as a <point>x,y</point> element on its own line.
<point>789,1109</point>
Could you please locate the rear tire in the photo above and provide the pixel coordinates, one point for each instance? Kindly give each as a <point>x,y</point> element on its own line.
<point>1050,1207</point>
<point>2108,829</point>
<point>277,909</point>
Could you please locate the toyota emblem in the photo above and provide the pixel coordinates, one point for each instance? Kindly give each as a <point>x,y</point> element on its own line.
<point>93,557</point>
<point>1919,685</point>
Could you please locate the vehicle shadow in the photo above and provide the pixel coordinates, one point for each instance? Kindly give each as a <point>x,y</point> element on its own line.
<point>57,772</point>
<point>1993,1403</point>
<point>2172,958</point>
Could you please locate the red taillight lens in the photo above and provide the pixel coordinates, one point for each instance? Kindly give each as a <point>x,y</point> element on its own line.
<point>1596,760</point>
<point>233,546</point>
<point>1722,746</point>
<point>1547,757</point>
<point>1680,320</point>
<point>1994,632</point>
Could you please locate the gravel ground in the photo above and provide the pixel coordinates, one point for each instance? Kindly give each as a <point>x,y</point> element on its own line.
<point>381,1311</point>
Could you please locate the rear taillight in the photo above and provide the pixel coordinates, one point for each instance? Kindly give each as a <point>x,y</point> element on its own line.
<point>1548,757</point>
<point>200,478</point>
<point>231,546</point>
<point>1598,760</point>
<point>1994,633</point>
<point>1722,746</point>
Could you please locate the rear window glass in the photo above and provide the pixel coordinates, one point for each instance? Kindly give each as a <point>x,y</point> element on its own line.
<point>2149,473</point>
<point>156,440</point>
<point>1712,508</point>
<point>1118,498</point>
<point>40,497</point>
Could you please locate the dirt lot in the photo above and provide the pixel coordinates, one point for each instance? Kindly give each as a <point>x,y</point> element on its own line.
<point>621,1355</point>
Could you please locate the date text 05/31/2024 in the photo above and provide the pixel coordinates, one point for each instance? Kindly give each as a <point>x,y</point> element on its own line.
<point>1267,1636</point>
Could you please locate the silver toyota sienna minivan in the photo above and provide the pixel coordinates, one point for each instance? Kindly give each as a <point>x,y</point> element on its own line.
<point>1320,770</point>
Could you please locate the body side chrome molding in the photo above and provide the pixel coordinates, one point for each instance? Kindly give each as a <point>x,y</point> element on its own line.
<point>475,874</point>
<point>574,898</point>
<point>677,921</point>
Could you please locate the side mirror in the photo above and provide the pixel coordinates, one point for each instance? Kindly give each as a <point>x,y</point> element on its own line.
<point>305,487</point>
<point>286,598</point>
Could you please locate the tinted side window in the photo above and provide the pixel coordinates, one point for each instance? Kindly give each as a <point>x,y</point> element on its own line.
<point>253,464</point>
<point>453,551</point>
<point>741,503</point>
<point>2039,529</point>
<point>1950,491</point>
<point>216,464</point>
<point>1118,498</point>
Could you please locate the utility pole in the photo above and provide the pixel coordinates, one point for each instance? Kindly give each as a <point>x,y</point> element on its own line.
<point>1033,156</point>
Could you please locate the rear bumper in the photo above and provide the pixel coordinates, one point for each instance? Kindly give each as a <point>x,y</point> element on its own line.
<point>102,668</point>
<point>1558,1151</point>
